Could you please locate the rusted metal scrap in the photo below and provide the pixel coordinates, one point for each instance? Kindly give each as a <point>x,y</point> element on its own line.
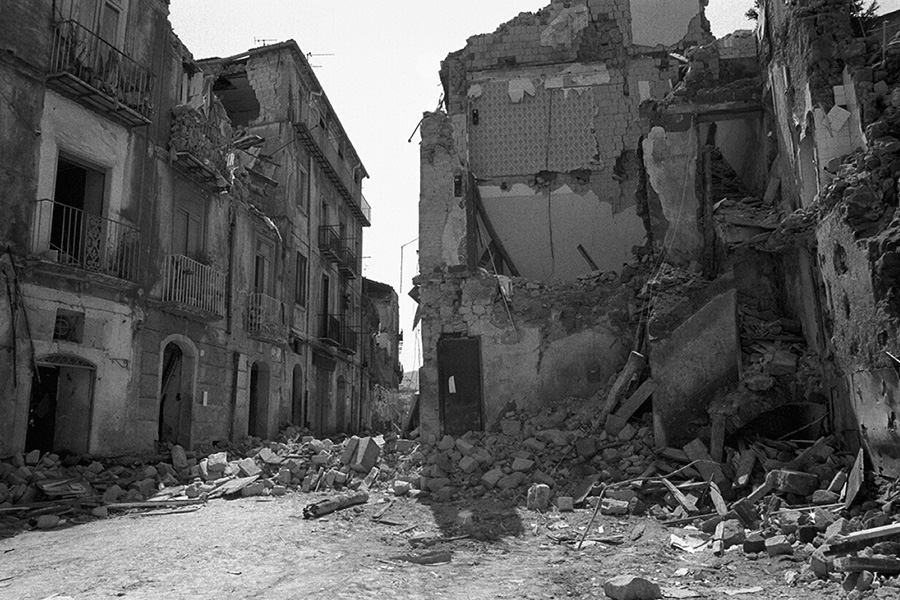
<point>334,503</point>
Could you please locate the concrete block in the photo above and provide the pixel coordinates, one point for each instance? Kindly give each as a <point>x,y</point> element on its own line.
<point>522,464</point>
<point>47,521</point>
<point>349,452</point>
<point>217,462</point>
<point>793,482</point>
<point>405,446</point>
<point>565,503</point>
<point>367,454</point>
<point>511,481</point>
<point>248,467</point>
<point>754,543</point>
<point>823,497</point>
<point>778,545</point>
<point>629,587</point>
<point>468,464</point>
<point>436,484</point>
<point>447,443</point>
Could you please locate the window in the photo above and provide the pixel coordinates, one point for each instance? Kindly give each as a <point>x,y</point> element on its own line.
<point>108,22</point>
<point>187,229</point>
<point>263,279</point>
<point>300,281</point>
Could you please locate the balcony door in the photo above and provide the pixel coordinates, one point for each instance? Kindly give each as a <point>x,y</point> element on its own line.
<point>263,278</point>
<point>76,232</point>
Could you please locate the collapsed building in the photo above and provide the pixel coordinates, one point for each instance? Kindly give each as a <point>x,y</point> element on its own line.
<point>182,241</point>
<point>608,181</point>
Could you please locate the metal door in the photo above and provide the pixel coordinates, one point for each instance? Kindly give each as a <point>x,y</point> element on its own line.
<point>459,374</point>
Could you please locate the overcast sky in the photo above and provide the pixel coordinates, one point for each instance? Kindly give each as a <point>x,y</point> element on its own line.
<point>378,62</point>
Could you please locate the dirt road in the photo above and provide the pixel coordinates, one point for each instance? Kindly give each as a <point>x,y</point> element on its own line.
<point>255,548</point>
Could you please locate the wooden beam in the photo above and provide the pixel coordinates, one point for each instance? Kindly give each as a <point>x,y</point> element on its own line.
<point>482,213</point>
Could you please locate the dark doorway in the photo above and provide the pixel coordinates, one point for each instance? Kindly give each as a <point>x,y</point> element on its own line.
<point>323,400</point>
<point>76,230</point>
<point>59,416</point>
<point>176,397</point>
<point>42,411</point>
<point>258,417</point>
<point>459,379</point>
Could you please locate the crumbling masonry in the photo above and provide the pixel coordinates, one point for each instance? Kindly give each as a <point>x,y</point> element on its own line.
<point>606,177</point>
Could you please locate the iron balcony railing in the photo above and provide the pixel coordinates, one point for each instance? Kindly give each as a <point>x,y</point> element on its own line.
<point>316,140</point>
<point>330,242</point>
<point>265,316</point>
<point>193,284</point>
<point>349,263</point>
<point>96,72</point>
<point>330,330</point>
<point>349,339</point>
<point>70,236</point>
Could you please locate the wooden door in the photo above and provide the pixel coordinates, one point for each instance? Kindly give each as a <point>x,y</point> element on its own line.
<point>459,374</point>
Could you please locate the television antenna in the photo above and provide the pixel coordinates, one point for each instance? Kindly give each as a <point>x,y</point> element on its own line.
<point>309,55</point>
<point>263,41</point>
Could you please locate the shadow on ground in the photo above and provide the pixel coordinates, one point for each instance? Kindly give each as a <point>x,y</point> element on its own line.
<point>487,520</point>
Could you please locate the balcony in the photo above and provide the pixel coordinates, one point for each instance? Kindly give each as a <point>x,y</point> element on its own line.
<point>348,263</point>
<point>200,146</point>
<point>315,139</point>
<point>72,237</point>
<point>330,242</point>
<point>330,330</point>
<point>193,286</point>
<point>265,317</point>
<point>349,342</point>
<point>99,75</point>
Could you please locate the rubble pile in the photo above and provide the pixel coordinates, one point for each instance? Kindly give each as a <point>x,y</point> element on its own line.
<point>555,448</point>
<point>207,138</point>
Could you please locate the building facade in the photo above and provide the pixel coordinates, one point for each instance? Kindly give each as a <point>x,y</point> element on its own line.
<point>181,253</point>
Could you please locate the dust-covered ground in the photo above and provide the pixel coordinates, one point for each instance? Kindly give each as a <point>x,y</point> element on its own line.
<point>264,548</point>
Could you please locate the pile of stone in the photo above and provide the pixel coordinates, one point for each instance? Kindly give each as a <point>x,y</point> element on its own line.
<point>557,448</point>
<point>34,484</point>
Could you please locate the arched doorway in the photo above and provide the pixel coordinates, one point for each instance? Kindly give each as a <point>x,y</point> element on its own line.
<point>341,404</point>
<point>62,401</point>
<point>176,394</point>
<point>298,409</point>
<point>258,416</point>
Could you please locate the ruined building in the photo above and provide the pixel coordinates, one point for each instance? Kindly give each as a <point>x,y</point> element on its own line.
<point>181,241</point>
<point>607,178</point>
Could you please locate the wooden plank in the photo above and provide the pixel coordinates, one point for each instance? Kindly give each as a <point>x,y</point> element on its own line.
<point>759,493</point>
<point>857,564</point>
<point>718,501</point>
<point>745,466</point>
<point>868,535</point>
<point>804,457</point>
<point>709,469</point>
<point>685,502</point>
<point>616,422</point>
<point>674,454</point>
<point>632,367</point>
<point>855,481</point>
<point>718,546</point>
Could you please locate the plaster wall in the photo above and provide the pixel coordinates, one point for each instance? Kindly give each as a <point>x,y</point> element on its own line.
<point>108,344</point>
<point>542,229</point>
<point>694,361</point>
<point>68,127</point>
<point>671,162</point>
<point>663,22</point>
